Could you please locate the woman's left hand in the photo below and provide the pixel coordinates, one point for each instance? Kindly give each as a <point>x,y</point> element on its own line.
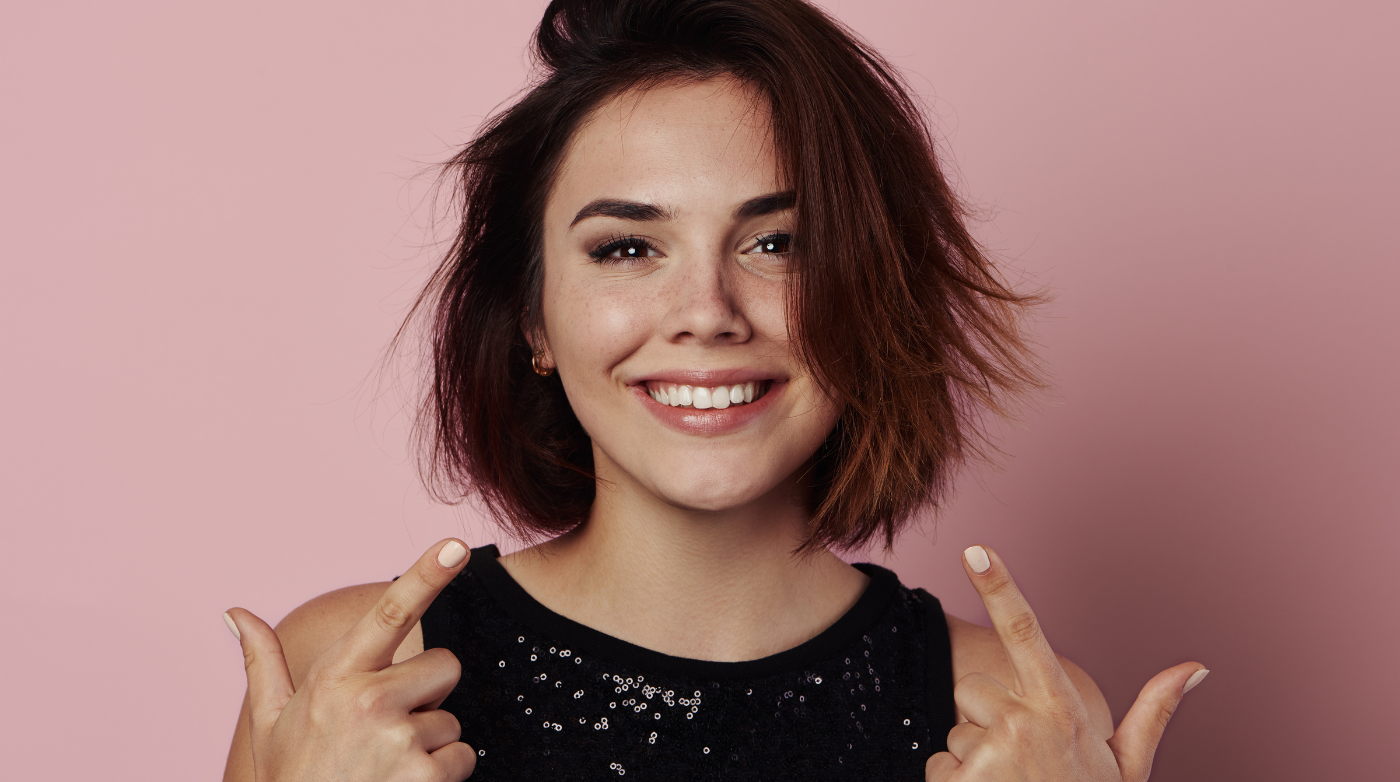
<point>1039,729</point>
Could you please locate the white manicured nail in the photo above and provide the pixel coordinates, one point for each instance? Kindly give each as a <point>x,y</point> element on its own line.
<point>452,554</point>
<point>233,628</point>
<point>976,557</point>
<point>1196,678</point>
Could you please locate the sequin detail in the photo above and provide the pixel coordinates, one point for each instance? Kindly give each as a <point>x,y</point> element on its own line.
<point>551,707</point>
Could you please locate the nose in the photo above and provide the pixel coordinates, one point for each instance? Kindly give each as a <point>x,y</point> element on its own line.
<point>704,309</point>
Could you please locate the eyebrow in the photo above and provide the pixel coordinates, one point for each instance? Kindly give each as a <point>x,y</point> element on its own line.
<point>638,211</point>
<point>623,210</point>
<point>766,205</point>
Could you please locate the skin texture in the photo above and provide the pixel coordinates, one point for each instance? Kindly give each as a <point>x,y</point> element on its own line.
<point>688,546</point>
<point>686,550</point>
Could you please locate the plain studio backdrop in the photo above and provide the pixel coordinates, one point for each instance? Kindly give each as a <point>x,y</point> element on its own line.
<point>214,218</point>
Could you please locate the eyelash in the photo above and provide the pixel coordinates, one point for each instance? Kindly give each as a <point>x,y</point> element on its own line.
<point>602,251</point>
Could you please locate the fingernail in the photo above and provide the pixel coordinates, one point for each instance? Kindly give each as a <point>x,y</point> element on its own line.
<point>233,628</point>
<point>1196,678</point>
<point>976,557</point>
<point>452,554</point>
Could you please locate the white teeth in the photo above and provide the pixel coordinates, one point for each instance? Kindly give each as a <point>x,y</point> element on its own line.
<point>720,397</point>
<point>702,398</point>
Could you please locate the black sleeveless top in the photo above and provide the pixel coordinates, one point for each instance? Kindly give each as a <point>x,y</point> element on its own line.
<point>545,698</point>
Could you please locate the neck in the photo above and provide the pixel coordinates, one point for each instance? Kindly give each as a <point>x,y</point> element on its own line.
<point>714,585</point>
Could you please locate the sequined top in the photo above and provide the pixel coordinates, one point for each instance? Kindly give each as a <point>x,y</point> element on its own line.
<point>545,698</point>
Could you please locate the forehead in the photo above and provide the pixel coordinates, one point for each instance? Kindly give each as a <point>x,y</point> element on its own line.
<point>672,142</point>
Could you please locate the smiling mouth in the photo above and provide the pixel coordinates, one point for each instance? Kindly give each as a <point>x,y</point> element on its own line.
<point>702,398</point>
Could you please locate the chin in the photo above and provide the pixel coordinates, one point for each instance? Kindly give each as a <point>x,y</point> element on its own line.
<point>716,491</point>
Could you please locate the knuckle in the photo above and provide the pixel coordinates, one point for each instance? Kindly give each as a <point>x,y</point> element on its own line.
<point>392,615</point>
<point>321,700</point>
<point>1022,630</point>
<point>318,711</point>
<point>371,699</point>
<point>1163,713</point>
<point>250,658</point>
<point>1017,723</point>
<point>400,737</point>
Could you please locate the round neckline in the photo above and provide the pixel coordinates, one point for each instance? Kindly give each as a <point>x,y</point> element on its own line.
<point>846,630</point>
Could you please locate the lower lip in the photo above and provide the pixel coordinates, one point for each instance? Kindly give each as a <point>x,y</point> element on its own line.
<point>688,420</point>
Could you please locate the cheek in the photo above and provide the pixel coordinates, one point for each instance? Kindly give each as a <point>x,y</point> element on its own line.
<point>764,305</point>
<point>591,328</point>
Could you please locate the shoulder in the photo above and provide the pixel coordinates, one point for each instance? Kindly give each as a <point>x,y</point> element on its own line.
<point>310,629</point>
<point>976,649</point>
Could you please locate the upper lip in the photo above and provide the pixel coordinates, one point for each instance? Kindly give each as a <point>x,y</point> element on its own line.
<point>708,378</point>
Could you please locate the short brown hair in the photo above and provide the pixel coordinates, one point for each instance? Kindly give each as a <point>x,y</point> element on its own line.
<point>894,307</point>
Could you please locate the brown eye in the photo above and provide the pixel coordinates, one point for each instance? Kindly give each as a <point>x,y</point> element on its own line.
<point>624,248</point>
<point>773,244</point>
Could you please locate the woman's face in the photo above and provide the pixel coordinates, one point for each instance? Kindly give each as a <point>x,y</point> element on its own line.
<point>665,279</point>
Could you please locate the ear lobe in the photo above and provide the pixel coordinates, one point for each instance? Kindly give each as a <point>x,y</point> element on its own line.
<point>541,359</point>
<point>539,347</point>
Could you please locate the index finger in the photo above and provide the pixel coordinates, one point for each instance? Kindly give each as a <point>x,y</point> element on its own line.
<point>1037,669</point>
<point>371,643</point>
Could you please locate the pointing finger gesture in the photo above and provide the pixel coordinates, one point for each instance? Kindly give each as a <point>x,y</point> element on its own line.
<point>1037,727</point>
<point>358,715</point>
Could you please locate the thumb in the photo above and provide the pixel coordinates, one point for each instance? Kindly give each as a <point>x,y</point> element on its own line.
<point>269,681</point>
<point>1135,741</point>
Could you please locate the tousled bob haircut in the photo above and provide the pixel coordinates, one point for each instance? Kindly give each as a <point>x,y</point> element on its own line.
<point>893,306</point>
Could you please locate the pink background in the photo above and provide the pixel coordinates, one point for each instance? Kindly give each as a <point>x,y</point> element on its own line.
<point>213,224</point>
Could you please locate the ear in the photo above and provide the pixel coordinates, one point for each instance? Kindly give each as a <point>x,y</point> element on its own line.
<point>533,330</point>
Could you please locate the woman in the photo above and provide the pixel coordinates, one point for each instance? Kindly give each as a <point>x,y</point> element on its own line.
<point>712,313</point>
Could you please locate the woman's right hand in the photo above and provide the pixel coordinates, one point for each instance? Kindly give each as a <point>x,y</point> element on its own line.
<point>359,715</point>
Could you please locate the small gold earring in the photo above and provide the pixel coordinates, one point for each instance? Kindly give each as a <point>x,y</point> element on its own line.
<point>541,371</point>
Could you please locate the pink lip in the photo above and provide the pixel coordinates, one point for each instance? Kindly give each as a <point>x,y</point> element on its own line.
<point>708,422</point>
